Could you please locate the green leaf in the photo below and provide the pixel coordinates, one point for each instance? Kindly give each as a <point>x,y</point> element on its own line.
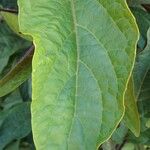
<point>12,4</point>
<point>13,146</point>
<point>16,124</point>
<point>131,117</point>
<point>11,100</point>
<point>144,1</point>
<point>144,88</point>
<point>12,21</point>
<point>9,44</point>
<point>84,56</point>
<point>128,146</point>
<point>141,81</point>
<point>20,73</point>
<point>120,133</point>
<point>143,21</point>
<point>142,67</point>
<point>137,3</point>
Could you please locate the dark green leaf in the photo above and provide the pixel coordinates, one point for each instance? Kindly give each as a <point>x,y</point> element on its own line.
<point>143,20</point>
<point>142,84</point>
<point>12,21</point>
<point>16,124</point>
<point>20,73</point>
<point>9,44</point>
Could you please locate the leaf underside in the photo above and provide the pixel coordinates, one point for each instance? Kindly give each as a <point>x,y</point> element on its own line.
<point>80,69</point>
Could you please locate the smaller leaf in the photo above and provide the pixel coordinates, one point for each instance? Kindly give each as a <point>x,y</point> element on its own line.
<point>143,21</point>
<point>11,4</point>
<point>141,82</point>
<point>11,100</point>
<point>131,117</point>
<point>16,124</point>
<point>145,1</point>
<point>10,43</point>
<point>13,146</point>
<point>142,66</point>
<point>18,74</point>
<point>12,21</point>
<point>148,123</point>
<point>128,146</point>
<point>120,134</point>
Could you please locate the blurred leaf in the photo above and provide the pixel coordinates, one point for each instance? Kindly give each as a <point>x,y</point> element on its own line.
<point>108,145</point>
<point>120,133</point>
<point>12,99</point>
<point>13,145</point>
<point>143,21</point>
<point>25,90</point>
<point>9,44</point>
<point>12,4</point>
<point>131,117</point>
<point>142,67</point>
<point>20,73</point>
<point>12,21</point>
<point>16,124</point>
<point>142,84</point>
<point>128,146</point>
<point>148,123</point>
<point>144,1</point>
<point>137,3</point>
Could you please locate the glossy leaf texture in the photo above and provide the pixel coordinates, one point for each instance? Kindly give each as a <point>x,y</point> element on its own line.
<point>84,55</point>
<point>132,118</point>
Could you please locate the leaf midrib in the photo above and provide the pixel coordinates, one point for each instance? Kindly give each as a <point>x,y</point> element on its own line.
<point>77,65</point>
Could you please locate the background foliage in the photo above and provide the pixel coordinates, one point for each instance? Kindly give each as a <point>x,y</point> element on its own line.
<point>15,120</point>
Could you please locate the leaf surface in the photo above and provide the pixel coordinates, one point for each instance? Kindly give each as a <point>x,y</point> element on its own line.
<point>20,73</point>
<point>142,66</point>
<point>16,124</point>
<point>132,118</point>
<point>9,44</point>
<point>80,69</point>
<point>12,21</point>
<point>143,21</point>
<point>142,84</point>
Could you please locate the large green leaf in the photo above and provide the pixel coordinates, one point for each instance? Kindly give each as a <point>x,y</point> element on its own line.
<point>84,56</point>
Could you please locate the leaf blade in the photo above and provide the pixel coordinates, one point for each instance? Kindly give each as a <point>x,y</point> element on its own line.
<point>63,54</point>
<point>132,118</point>
<point>12,21</point>
<point>20,73</point>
